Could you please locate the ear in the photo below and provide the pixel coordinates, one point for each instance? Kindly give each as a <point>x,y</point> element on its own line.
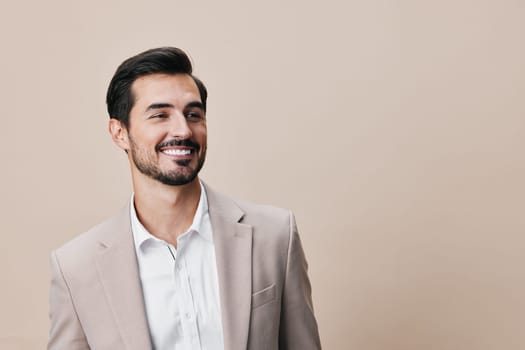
<point>119,134</point>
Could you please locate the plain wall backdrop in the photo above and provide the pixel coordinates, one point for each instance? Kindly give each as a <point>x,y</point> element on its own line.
<point>395,130</point>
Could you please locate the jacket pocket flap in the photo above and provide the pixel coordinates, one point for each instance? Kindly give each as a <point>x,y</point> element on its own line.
<point>263,296</point>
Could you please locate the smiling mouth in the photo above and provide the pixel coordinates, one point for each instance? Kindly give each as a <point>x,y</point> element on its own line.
<point>178,149</point>
<point>177,152</point>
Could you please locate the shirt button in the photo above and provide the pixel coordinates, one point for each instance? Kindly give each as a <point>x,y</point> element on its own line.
<point>188,315</point>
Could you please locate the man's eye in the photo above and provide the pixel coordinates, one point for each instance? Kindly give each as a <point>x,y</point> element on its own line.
<point>192,115</point>
<point>160,115</point>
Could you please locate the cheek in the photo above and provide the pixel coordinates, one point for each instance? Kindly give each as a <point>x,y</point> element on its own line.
<point>148,138</point>
<point>200,134</point>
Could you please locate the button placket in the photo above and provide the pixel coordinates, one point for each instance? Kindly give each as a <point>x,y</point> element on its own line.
<point>186,305</point>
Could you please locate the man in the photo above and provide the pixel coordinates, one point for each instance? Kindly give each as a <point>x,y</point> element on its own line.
<point>182,266</point>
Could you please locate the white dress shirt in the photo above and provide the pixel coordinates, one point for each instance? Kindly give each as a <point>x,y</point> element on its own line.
<point>180,286</point>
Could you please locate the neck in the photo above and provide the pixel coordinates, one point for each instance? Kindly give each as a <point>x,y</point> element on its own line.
<point>166,211</point>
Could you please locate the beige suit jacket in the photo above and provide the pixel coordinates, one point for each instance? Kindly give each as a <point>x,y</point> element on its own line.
<point>96,299</point>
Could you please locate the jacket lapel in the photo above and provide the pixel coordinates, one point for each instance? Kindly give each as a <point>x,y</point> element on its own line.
<point>118,271</point>
<point>233,250</point>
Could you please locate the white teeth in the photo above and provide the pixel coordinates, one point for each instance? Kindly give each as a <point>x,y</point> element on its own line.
<point>177,152</point>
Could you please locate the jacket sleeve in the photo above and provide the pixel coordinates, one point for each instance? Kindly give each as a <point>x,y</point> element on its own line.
<point>298,327</point>
<point>66,331</point>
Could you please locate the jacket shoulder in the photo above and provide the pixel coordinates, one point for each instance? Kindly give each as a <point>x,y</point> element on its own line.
<point>251,213</point>
<point>263,212</point>
<point>86,244</point>
<point>270,224</point>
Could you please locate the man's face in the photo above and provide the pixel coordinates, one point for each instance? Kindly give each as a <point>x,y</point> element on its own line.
<point>167,128</point>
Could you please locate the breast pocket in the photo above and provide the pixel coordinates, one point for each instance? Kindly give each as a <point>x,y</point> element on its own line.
<point>263,297</point>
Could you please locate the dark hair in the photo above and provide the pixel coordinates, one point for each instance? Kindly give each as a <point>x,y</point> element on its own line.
<point>167,60</point>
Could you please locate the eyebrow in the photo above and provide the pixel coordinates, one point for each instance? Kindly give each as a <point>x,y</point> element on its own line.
<point>159,106</point>
<point>193,104</point>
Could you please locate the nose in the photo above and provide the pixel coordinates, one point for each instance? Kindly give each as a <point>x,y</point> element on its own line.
<point>179,128</point>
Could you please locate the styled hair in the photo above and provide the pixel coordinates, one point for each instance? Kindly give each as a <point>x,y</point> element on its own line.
<point>163,60</point>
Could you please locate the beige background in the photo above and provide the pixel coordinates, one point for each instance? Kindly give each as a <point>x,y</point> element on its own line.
<point>395,130</point>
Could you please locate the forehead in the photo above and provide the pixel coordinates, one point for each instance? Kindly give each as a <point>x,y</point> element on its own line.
<point>158,88</point>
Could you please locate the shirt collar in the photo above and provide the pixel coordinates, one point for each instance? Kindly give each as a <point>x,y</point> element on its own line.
<point>140,234</point>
